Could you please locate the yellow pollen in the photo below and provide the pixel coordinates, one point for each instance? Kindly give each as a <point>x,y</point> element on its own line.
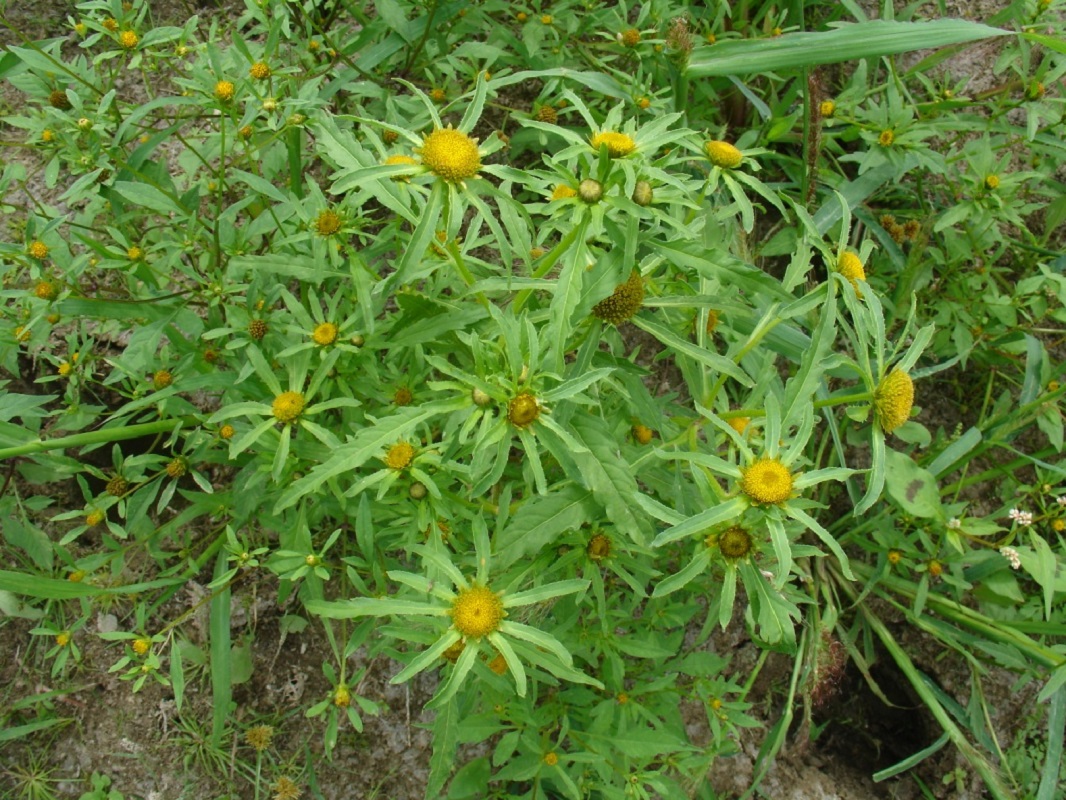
<point>287,406</point>
<point>767,481</point>
<point>400,456</point>
<point>723,154</point>
<point>477,612</point>
<point>325,334</point>
<point>618,145</point>
<point>451,155</point>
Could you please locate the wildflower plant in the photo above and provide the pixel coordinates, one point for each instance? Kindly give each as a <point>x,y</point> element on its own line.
<point>542,357</point>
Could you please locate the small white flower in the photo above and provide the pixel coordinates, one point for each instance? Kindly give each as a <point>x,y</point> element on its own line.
<point>954,524</point>
<point>1012,556</point>
<point>1061,499</point>
<point>1021,517</point>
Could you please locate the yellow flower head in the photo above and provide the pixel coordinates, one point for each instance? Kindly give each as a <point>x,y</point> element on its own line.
<point>477,611</point>
<point>117,486</point>
<point>392,161</point>
<point>226,432</point>
<point>260,71</point>
<point>38,250</point>
<point>225,90</point>
<point>110,24</point>
<point>894,557</point>
<point>850,266</point>
<point>893,399</point>
<point>723,154</point>
<point>618,145</point>
<point>886,138</point>
<point>259,737</point>
<point>599,547</point>
<point>325,333</point>
<point>563,192</point>
<point>827,108</point>
<point>342,696</point>
<point>47,135</point>
<point>767,481</point>
<point>631,37</point>
<point>65,369</point>
<point>328,222</point>
<point>991,182</point>
<point>94,518</point>
<point>523,410</point>
<point>287,407</point>
<point>546,19</point>
<point>498,664</point>
<point>63,639</point>
<point>452,653</point>
<point>451,155</point>
<point>128,39</point>
<point>740,424</point>
<point>734,543</point>
<point>177,467</point>
<point>403,396</point>
<point>142,645</point>
<point>624,303</point>
<point>286,789</point>
<point>547,114</point>
<point>642,433</point>
<point>400,456</point>
<point>45,290</point>
<point>134,253</point>
<point>162,379</point>
<point>551,759</point>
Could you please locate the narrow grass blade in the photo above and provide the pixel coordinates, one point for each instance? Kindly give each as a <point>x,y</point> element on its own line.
<point>911,761</point>
<point>846,43</point>
<point>221,679</point>
<point>1056,722</point>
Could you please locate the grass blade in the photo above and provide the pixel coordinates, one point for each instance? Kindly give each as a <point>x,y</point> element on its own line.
<point>221,679</point>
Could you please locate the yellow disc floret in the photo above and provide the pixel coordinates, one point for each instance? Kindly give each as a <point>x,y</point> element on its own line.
<point>224,91</point>
<point>392,161</point>
<point>287,406</point>
<point>38,250</point>
<point>623,303</point>
<point>400,456</point>
<point>45,290</point>
<point>128,39</point>
<point>893,399</point>
<point>260,71</point>
<point>328,222</point>
<point>523,410</point>
<point>618,145</point>
<point>723,154</point>
<point>735,542</point>
<point>477,611</point>
<point>767,481</point>
<point>451,155</point>
<point>563,192</point>
<point>324,334</point>
<point>850,266</point>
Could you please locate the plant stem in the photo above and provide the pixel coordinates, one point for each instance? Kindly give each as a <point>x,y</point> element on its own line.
<point>97,437</point>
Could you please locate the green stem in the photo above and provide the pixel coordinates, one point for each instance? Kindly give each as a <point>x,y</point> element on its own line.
<point>97,437</point>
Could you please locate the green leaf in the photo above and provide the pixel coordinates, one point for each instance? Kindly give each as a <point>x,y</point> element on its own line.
<point>219,632</point>
<point>445,739</point>
<point>303,268</point>
<point>147,196</point>
<point>45,588</point>
<point>914,488</point>
<point>1050,787</point>
<point>846,43</point>
<point>177,674</point>
<point>541,520</point>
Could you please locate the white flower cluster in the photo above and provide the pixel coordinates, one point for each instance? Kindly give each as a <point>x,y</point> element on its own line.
<point>1021,517</point>
<point>954,524</point>
<point>1012,556</point>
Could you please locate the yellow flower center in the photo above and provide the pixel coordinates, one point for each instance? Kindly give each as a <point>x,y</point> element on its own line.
<point>260,70</point>
<point>850,266</point>
<point>723,154</point>
<point>328,223</point>
<point>523,410</point>
<point>400,456</point>
<point>767,481</point>
<point>623,303</point>
<point>735,543</point>
<point>886,138</point>
<point>325,333</point>
<point>287,406</point>
<point>45,290</point>
<point>477,611</point>
<point>392,161</point>
<point>128,39</point>
<point>563,192</point>
<point>631,37</point>
<point>893,399</point>
<point>38,250</point>
<point>619,145</point>
<point>827,108</point>
<point>224,91</point>
<point>451,155</point>
<point>599,547</point>
<point>498,664</point>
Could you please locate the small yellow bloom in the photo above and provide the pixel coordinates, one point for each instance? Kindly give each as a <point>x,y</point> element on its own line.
<point>734,543</point>
<point>498,664</point>
<point>403,396</point>
<point>546,19</point>
<point>624,302</point>
<point>328,222</point>
<point>65,369</point>
<point>438,95</point>
<point>451,155</point>
<point>142,645</point>
<point>642,433</point>
<point>226,432</point>
<point>886,138</point>
<point>259,737</point>
<point>894,557</point>
<point>324,334</point>
<point>521,16</point>
<point>767,481</point>
<point>850,266</point>
<point>177,467</point>
<point>739,424</point>
<point>128,39</point>
<point>287,406</point>
<point>551,759</point>
<point>723,154</point>
<point>618,145</point>
<point>452,653</point>
<point>94,518</point>
<point>991,182</point>
<point>893,400</point>
<point>45,290</point>
<point>644,103</point>
<point>81,28</point>
<point>599,547</point>
<point>117,486</point>
<point>77,576</point>
<point>134,253</point>
<point>400,456</point>
<point>260,71</point>
<point>563,192</point>
<point>38,250</point>
<point>47,135</point>
<point>1058,525</point>
<point>392,161</point>
<point>63,639</point>
<point>827,108</point>
<point>286,789</point>
<point>225,90</point>
<point>523,410</point>
<point>631,37</point>
<point>162,379</point>
<point>477,611</point>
